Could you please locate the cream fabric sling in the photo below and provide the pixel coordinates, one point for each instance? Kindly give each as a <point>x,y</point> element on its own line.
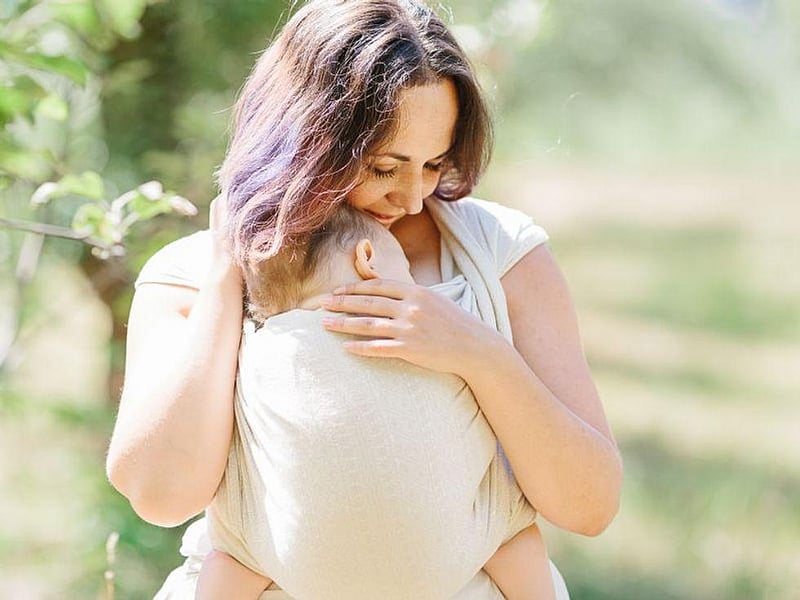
<point>353,478</point>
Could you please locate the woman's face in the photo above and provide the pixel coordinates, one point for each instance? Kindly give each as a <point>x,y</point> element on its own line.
<point>396,178</point>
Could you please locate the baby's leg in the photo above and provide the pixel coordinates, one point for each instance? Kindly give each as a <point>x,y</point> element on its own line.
<point>521,568</point>
<point>222,577</point>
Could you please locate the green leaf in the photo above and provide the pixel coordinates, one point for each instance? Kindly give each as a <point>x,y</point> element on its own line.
<point>21,163</point>
<point>124,15</point>
<point>88,184</point>
<point>14,103</point>
<point>19,98</point>
<point>29,85</point>
<point>89,218</point>
<point>76,14</point>
<point>145,208</point>
<point>61,65</point>
<point>53,107</point>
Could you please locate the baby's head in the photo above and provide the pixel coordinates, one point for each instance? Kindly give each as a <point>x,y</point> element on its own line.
<point>350,246</point>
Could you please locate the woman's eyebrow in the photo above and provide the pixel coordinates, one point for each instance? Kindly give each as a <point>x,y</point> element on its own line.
<point>405,158</point>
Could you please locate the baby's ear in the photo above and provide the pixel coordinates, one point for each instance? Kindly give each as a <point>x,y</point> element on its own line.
<point>365,253</point>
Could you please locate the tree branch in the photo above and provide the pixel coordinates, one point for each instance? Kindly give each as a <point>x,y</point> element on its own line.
<point>53,230</point>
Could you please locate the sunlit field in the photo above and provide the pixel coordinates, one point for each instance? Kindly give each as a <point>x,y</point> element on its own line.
<point>687,290</point>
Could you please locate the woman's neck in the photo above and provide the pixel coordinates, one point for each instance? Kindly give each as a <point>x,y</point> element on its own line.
<point>420,239</point>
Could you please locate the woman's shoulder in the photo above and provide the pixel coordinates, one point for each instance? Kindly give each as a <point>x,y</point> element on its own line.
<point>506,233</point>
<point>184,262</point>
<point>490,215</point>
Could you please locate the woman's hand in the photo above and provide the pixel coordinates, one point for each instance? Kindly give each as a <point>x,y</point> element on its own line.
<point>223,267</point>
<point>408,321</point>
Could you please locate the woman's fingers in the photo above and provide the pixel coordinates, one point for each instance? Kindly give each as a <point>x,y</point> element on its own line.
<point>376,287</point>
<point>217,213</point>
<point>381,348</point>
<point>393,319</point>
<point>367,326</point>
<point>376,306</point>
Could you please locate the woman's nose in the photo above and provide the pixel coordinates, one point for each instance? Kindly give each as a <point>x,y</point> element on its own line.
<point>409,196</point>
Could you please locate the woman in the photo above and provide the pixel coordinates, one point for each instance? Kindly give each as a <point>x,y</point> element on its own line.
<point>370,102</point>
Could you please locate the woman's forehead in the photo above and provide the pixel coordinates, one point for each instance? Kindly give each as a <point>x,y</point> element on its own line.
<point>426,123</point>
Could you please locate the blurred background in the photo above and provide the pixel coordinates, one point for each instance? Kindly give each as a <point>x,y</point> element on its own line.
<point>657,142</point>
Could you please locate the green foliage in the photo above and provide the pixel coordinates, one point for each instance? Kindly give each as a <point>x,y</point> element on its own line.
<point>89,507</point>
<point>697,280</point>
<point>81,17</point>
<point>71,68</point>
<point>38,83</point>
<point>123,16</point>
<point>106,224</point>
<point>18,162</point>
<point>647,82</point>
<point>20,98</point>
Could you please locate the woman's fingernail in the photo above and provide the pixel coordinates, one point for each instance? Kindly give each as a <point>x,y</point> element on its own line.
<point>326,299</point>
<point>339,290</point>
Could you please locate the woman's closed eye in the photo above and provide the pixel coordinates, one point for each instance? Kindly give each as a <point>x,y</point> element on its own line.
<point>383,173</point>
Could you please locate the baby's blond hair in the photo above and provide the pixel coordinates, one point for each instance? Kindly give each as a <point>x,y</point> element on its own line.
<point>283,281</point>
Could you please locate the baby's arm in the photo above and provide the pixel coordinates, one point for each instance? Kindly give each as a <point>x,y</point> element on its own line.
<point>222,577</point>
<point>521,568</point>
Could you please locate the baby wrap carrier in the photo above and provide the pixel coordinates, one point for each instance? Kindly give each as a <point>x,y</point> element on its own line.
<point>357,478</point>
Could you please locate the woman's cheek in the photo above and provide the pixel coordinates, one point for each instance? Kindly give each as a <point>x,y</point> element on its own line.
<point>363,195</point>
<point>432,183</point>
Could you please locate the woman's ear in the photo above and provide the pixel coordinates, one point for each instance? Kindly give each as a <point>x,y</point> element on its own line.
<point>364,259</point>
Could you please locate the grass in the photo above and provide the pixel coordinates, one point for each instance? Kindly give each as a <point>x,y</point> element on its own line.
<point>59,510</point>
<point>694,278</point>
<point>691,326</point>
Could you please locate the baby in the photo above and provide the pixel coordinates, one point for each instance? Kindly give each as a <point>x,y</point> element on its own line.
<point>352,246</point>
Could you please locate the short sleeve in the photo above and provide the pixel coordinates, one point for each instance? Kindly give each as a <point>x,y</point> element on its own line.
<point>506,233</point>
<point>183,262</point>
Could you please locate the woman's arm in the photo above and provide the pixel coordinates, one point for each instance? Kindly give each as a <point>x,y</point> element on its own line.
<point>538,396</point>
<point>172,436</point>
<point>541,401</point>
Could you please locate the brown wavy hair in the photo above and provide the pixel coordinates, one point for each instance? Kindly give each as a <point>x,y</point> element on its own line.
<point>323,96</point>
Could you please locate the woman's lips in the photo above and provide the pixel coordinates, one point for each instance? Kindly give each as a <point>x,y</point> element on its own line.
<point>384,219</point>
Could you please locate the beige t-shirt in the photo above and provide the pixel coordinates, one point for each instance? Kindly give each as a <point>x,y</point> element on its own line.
<point>505,233</point>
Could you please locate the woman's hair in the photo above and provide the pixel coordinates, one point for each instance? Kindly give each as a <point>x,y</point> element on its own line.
<point>281,282</point>
<point>321,98</point>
